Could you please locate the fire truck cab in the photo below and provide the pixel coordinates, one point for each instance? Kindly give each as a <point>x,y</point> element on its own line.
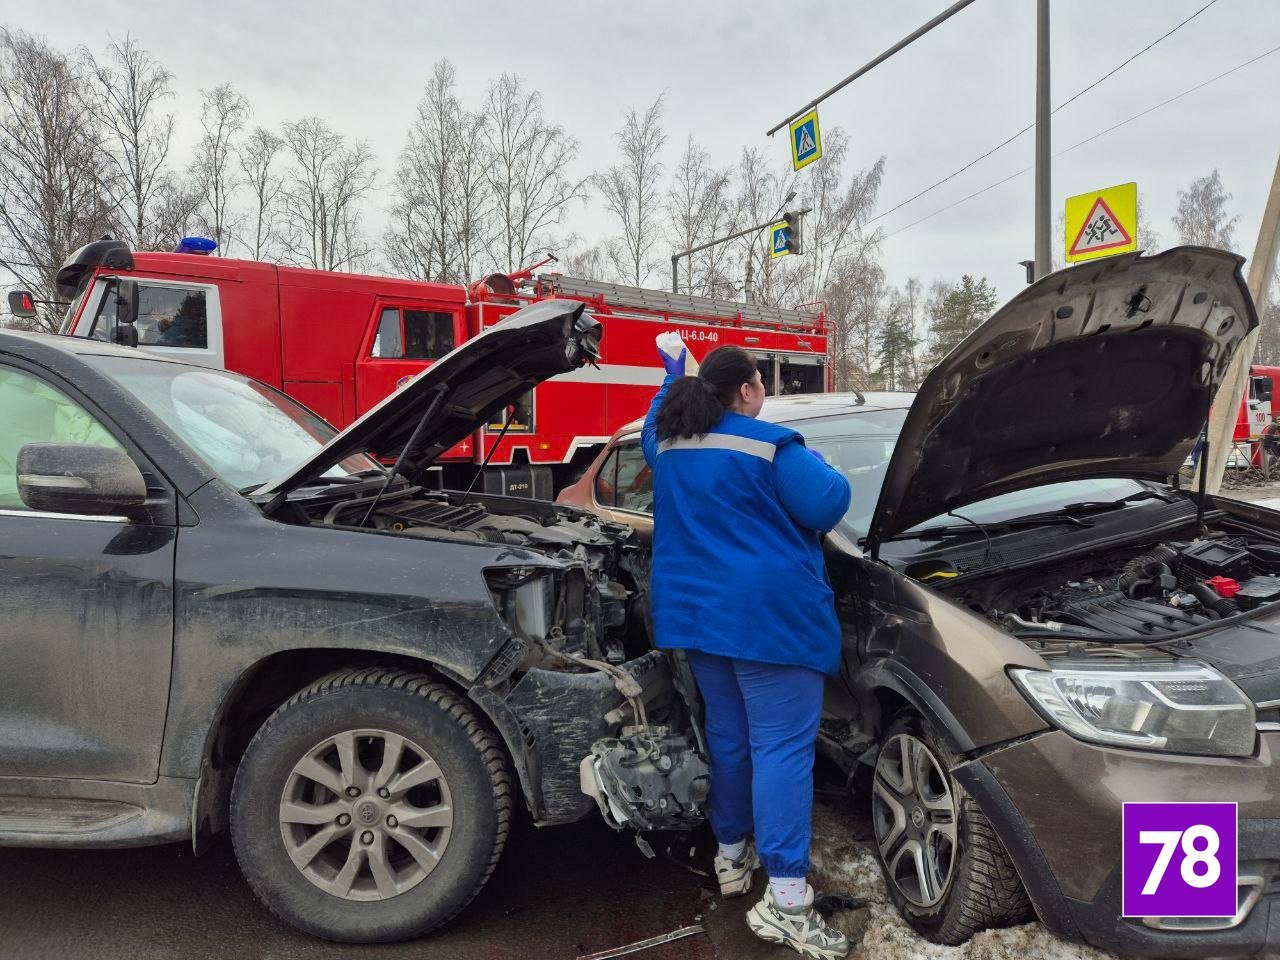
<point>340,342</point>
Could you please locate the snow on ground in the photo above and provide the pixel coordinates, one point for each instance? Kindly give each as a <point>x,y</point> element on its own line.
<point>844,862</point>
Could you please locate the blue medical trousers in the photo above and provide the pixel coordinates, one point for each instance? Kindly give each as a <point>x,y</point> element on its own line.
<point>762,723</point>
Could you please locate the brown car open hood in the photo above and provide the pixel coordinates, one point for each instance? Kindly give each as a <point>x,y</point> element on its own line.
<point>473,383</point>
<point>1106,369</point>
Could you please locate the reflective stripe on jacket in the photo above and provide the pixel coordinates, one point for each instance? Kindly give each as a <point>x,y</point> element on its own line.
<point>737,544</point>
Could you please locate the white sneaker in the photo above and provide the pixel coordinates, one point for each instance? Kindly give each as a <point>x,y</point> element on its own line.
<point>735,875</point>
<point>802,929</point>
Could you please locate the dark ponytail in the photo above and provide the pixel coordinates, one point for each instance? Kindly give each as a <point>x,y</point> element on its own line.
<point>693,405</point>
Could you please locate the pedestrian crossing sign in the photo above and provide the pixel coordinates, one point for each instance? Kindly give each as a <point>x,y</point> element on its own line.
<point>806,140</point>
<point>779,240</point>
<point>1102,223</point>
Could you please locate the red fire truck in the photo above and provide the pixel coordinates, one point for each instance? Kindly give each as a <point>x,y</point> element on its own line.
<point>340,342</point>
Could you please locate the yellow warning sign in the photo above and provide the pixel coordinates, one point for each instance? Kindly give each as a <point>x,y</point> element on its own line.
<point>806,140</point>
<point>1102,223</point>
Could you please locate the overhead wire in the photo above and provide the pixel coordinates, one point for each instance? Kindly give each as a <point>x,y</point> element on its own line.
<point>1089,139</point>
<point>1031,126</point>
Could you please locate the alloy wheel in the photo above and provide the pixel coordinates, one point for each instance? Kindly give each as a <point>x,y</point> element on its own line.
<point>366,814</point>
<point>914,815</point>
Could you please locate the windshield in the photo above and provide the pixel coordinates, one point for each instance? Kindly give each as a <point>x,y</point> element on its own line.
<point>246,431</point>
<point>860,444</point>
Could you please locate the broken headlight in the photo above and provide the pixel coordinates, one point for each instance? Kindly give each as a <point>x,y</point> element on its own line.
<point>526,598</point>
<point>1177,706</point>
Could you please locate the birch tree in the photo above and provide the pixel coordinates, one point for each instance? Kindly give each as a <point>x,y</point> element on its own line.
<point>223,114</point>
<point>257,158</point>
<point>320,199</point>
<point>132,90</point>
<point>1202,214</point>
<point>441,216</point>
<point>699,210</point>
<point>631,190</point>
<point>51,196</point>
<point>528,170</point>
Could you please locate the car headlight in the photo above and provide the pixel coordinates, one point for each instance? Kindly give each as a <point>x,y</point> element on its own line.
<point>1178,706</point>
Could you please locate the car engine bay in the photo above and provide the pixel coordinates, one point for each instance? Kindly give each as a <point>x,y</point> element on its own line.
<point>1137,594</point>
<point>583,623</point>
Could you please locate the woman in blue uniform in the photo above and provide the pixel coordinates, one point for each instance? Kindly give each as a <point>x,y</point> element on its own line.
<point>740,506</point>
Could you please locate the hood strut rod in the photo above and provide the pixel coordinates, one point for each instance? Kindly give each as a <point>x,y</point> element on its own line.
<point>409,448</point>
<point>1204,466</point>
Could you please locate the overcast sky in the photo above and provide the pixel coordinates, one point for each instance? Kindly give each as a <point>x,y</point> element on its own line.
<point>730,70</point>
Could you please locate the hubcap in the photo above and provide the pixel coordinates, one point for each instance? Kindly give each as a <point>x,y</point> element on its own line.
<point>366,814</point>
<point>913,812</point>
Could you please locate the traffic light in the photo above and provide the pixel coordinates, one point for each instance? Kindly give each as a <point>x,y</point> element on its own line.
<point>793,221</point>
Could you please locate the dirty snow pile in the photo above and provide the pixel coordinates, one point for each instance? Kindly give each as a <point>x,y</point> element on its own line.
<point>844,862</point>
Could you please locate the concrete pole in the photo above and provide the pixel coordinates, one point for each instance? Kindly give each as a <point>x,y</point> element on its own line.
<point>1044,217</point>
<point>1226,408</point>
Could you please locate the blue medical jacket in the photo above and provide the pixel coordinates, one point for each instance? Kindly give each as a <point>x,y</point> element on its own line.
<point>738,519</point>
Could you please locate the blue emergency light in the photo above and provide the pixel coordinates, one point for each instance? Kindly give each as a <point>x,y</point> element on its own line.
<point>199,245</point>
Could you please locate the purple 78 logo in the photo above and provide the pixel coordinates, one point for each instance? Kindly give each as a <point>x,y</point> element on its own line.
<point>1179,859</point>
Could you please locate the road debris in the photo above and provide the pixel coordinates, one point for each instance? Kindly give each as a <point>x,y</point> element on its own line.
<point>639,945</point>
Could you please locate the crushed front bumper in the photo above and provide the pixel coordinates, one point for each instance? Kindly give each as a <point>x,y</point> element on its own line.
<point>1057,804</point>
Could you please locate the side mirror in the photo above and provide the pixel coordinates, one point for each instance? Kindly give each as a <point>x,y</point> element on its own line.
<point>22,304</point>
<point>79,478</point>
<point>125,334</point>
<point>127,302</point>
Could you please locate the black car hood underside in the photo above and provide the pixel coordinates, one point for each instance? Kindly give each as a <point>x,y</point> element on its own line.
<point>1106,369</point>
<point>468,387</point>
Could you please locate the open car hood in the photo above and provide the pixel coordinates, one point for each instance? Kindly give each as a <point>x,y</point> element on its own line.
<point>1106,369</point>
<point>475,382</point>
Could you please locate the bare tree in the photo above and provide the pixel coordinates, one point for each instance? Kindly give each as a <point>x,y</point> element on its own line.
<point>51,197</point>
<point>175,212</point>
<point>1202,214</point>
<point>320,199</point>
<point>257,157</point>
<point>586,263</point>
<point>527,171</point>
<point>223,114</point>
<point>442,211</point>
<point>699,210</point>
<point>762,194</point>
<point>132,88</point>
<point>632,192</point>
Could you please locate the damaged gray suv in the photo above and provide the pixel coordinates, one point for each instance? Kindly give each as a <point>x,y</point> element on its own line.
<point>219,614</point>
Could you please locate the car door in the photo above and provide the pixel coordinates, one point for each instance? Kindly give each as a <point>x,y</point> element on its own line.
<point>406,340</point>
<point>623,488</point>
<point>86,610</point>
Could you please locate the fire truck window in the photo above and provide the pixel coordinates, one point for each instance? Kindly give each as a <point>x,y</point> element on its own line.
<point>606,480</point>
<point>172,317</point>
<point>167,317</point>
<point>800,378</point>
<point>387,342</point>
<point>427,335</point>
<point>633,484</point>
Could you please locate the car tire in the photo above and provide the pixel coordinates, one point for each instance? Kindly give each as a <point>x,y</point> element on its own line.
<point>981,888</point>
<point>356,723</point>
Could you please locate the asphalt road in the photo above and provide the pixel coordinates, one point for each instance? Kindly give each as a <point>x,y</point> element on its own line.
<point>557,893</point>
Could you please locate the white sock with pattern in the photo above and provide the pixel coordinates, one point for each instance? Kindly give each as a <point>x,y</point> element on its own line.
<point>788,892</point>
<point>732,851</point>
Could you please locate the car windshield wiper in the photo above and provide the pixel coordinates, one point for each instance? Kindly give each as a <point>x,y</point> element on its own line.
<point>999,526</point>
<point>1101,506</point>
<point>364,476</point>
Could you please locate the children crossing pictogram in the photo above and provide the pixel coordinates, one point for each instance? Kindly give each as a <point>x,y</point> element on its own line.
<point>1101,230</point>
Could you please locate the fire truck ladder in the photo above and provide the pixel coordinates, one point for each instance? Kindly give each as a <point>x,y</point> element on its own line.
<point>615,295</point>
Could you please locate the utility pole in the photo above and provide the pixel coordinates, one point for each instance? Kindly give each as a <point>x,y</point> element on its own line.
<point>1044,218</point>
<point>1222,421</point>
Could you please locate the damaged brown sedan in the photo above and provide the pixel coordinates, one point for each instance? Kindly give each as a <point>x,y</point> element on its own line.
<point>1039,623</point>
